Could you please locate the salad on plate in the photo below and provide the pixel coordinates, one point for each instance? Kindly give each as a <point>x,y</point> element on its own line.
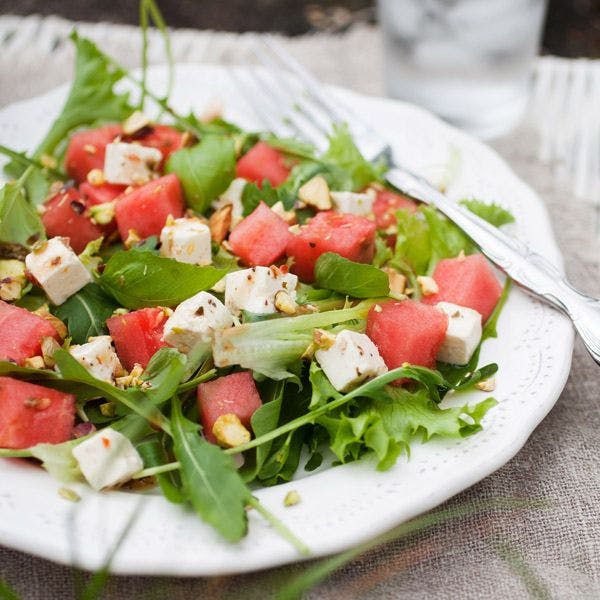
<point>192,306</point>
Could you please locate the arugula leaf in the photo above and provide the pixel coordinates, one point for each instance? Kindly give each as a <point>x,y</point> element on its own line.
<point>85,313</point>
<point>154,454</point>
<point>138,279</point>
<point>321,389</point>
<point>58,460</point>
<point>272,347</point>
<point>493,213</point>
<point>344,276</point>
<point>134,399</point>
<point>343,154</point>
<point>210,480</point>
<point>164,373</point>
<point>205,170</point>
<point>383,253</point>
<point>19,221</point>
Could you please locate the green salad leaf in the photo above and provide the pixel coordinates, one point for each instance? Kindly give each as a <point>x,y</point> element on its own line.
<point>139,278</point>
<point>344,276</point>
<point>19,221</point>
<point>85,313</point>
<point>492,213</point>
<point>252,196</point>
<point>353,171</point>
<point>58,460</point>
<point>205,170</point>
<point>154,454</point>
<point>210,480</point>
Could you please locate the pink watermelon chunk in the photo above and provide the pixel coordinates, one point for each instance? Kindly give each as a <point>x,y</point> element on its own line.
<point>233,394</point>
<point>137,335</point>
<point>145,209</point>
<point>261,238</point>
<point>467,281</point>
<point>347,235</point>
<point>32,414</point>
<point>407,332</point>
<point>387,203</point>
<point>22,333</point>
<point>263,162</point>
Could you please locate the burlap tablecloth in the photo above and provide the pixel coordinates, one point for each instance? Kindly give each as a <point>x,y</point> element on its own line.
<point>540,553</point>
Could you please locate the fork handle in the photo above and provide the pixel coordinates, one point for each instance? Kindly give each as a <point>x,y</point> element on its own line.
<point>530,270</point>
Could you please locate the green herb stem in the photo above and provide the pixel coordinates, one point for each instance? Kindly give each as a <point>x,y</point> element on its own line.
<point>9,453</point>
<point>32,162</point>
<point>279,526</point>
<point>192,383</point>
<point>150,472</point>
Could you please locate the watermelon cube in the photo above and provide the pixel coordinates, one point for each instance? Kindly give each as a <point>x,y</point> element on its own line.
<point>145,209</point>
<point>233,394</point>
<point>100,194</point>
<point>86,150</point>
<point>162,137</point>
<point>467,281</point>
<point>407,332</point>
<point>67,215</point>
<point>350,236</point>
<point>32,414</point>
<point>137,335</point>
<point>22,333</point>
<point>386,204</point>
<point>261,238</point>
<point>263,162</point>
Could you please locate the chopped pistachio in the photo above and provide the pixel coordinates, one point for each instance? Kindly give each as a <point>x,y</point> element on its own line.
<point>133,238</point>
<point>95,177</point>
<point>284,303</point>
<point>107,409</point>
<point>35,362</point>
<point>291,498</point>
<point>315,193</point>
<point>136,121</point>
<point>12,279</point>
<point>428,285</point>
<point>219,223</point>
<point>104,213</point>
<point>48,161</point>
<point>323,339</point>
<point>289,216</point>
<point>486,385</point>
<point>60,327</point>
<point>49,347</point>
<point>229,431</point>
<point>397,281</point>
<point>69,494</point>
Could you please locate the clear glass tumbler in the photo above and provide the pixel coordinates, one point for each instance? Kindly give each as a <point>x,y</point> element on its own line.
<point>469,61</point>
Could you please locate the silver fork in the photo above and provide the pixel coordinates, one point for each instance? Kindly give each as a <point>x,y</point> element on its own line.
<point>296,105</point>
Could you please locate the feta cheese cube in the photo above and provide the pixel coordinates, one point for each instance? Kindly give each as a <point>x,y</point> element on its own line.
<point>354,203</point>
<point>186,240</point>
<point>130,164</point>
<point>254,290</point>
<point>352,358</point>
<point>107,459</point>
<point>57,269</point>
<point>462,336</point>
<point>233,196</point>
<point>99,357</point>
<point>194,321</point>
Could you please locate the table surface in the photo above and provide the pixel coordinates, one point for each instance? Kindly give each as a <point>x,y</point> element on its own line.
<point>545,553</point>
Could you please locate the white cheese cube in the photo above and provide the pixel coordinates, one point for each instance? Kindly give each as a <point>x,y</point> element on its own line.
<point>194,321</point>
<point>254,290</point>
<point>107,459</point>
<point>354,203</point>
<point>352,358</point>
<point>99,357</point>
<point>462,336</point>
<point>130,164</point>
<point>57,269</point>
<point>186,240</point>
<point>233,195</point>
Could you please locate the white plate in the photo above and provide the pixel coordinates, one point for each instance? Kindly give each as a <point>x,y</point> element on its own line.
<point>341,506</point>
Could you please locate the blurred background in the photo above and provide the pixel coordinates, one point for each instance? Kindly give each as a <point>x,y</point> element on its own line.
<point>572,26</point>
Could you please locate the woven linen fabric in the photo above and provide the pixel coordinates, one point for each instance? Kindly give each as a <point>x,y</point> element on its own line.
<point>551,552</point>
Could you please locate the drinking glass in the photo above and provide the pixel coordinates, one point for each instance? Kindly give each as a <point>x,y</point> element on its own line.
<point>469,61</point>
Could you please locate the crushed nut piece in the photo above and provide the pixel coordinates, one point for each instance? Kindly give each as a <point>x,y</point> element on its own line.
<point>60,327</point>
<point>132,379</point>
<point>35,362</point>
<point>428,285</point>
<point>95,177</point>
<point>486,385</point>
<point>315,193</point>
<point>69,494</point>
<point>397,281</point>
<point>133,238</point>
<point>107,409</point>
<point>38,403</point>
<point>49,347</point>
<point>291,498</point>
<point>136,121</point>
<point>229,431</point>
<point>285,304</point>
<point>323,339</point>
<point>289,216</point>
<point>104,213</point>
<point>461,255</point>
<point>90,148</point>
<point>48,161</point>
<point>219,223</point>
